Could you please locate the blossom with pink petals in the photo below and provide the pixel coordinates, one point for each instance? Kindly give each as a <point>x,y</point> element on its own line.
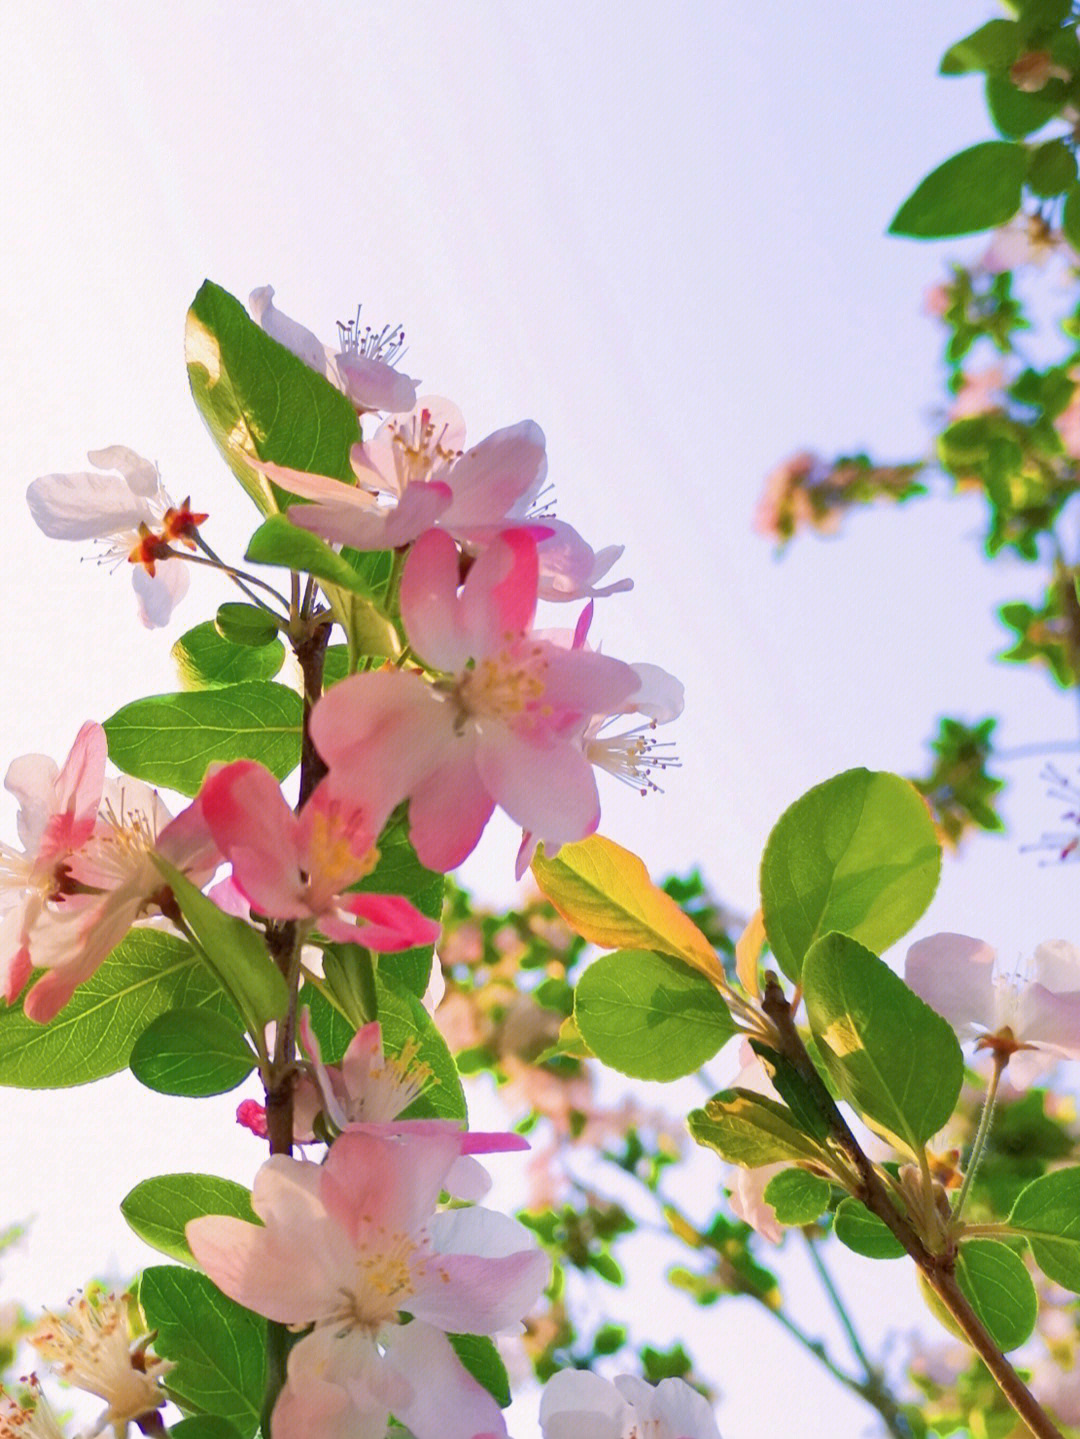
<point>352,1247</point>
<point>501,726</point>
<point>1030,1020</point>
<point>300,866</point>
<point>363,368</point>
<point>58,810</point>
<point>112,882</point>
<point>577,1404</point>
<point>124,505</point>
<point>1025,240</point>
<point>979,393</point>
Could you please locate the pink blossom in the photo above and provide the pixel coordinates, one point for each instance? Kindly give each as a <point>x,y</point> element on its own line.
<point>115,883</point>
<point>1031,1019</point>
<point>57,814</point>
<point>501,726</point>
<point>126,508</point>
<point>363,368</point>
<point>351,1246</point>
<point>1025,240</point>
<point>577,1404</point>
<point>300,866</point>
<point>979,393</point>
<point>936,301</point>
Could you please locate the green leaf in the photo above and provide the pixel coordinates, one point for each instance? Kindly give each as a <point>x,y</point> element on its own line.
<point>649,1016</point>
<point>146,975</point>
<point>278,541</point>
<point>1070,223</point>
<point>865,1233</point>
<point>158,1209</point>
<point>192,1052</point>
<point>991,48</point>
<point>245,624</point>
<point>999,1289</point>
<point>332,1029</point>
<point>975,190</point>
<point>1051,169</point>
<point>1016,113</point>
<point>480,1357</point>
<point>405,1021</point>
<point>233,950</point>
<point>858,854</point>
<point>206,661</point>
<point>259,401</point>
<point>798,1197</point>
<point>349,973</point>
<point>750,1129</point>
<point>1047,1213</point>
<point>400,872</point>
<point>170,739</point>
<point>891,1056</point>
<point>204,1426</point>
<point>219,1348</point>
<point>809,1106</point>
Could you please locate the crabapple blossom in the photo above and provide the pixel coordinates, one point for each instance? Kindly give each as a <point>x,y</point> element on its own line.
<point>58,810</point>
<point>91,1346</point>
<point>33,1419</point>
<point>502,723</point>
<point>1030,1020</point>
<point>577,1404</point>
<point>111,882</point>
<point>351,1247</point>
<point>299,866</point>
<point>125,507</point>
<point>363,368</point>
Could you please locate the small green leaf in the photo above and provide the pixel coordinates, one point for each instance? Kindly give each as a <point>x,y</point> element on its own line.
<point>1047,1213</point>
<point>891,1056</point>
<point>171,739</point>
<point>858,854</point>
<point>798,1197</point>
<point>204,1426</point>
<point>192,1052</point>
<point>999,1289</point>
<point>480,1357</point>
<point>1070,224</point>
<point>650,1016</point>
<point>245,625</point>
<point>865,1233</point>
<point>975,190</point>
<point>1016,113</point>
<point>259,401</point>
<point>992,48</point>
<point>233,950</point>
<point>146,975</point>
<point>158,1209</point>
<point>752,1130</point>
<point>205,661</point>
<point>332,1029</point>
<point>219,1348</point>
<point>400,872</point>
<point>1051,169</point>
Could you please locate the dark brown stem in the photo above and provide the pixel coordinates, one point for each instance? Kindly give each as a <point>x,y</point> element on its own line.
<point>939,1269</point>
<point>311,656</point>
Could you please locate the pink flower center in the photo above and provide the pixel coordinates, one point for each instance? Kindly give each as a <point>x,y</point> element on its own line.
<point>382,1281</point>
<point>419,448</point>
<point>508,686</point>
<point>335,862</point>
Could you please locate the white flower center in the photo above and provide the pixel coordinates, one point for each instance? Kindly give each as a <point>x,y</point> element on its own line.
<point>631,756</point>
<point>382,1281</point>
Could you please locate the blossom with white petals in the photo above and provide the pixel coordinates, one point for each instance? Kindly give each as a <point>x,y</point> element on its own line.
<point>31,1418</point>
<point>577,1404</point>
<point>363,368</point>
<point>1029,1019</point>
<point>91,1346</point>
<point>124,505</point>
<point>352,1247</point>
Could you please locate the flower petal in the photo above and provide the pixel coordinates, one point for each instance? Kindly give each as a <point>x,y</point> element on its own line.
<point>446,1402</point>
<point>954,975</point>
<point>303,343</point>
<point>159,594</point>
<point>550,790</point>
<point>388,923</point>
<point>258,834</point>
<point>503,473</point>
<point>86,506</point>
<point>577,1404</point>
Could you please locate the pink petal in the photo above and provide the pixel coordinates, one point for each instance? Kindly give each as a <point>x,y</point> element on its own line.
<point>387,727</point>
<point>1057,966</point>
<point>447,1402</point>
<point>577,1404</point>
<point>311,1406</point>
<point>486,1275</point>
<point>430,608</point>
<point>660,696</point>
<point>375,385</point>
<point>258,834</point>
<point>450,807</point>
<point>370,1181</point>
<point>570,568</point>
<point>298,338</point>
<point>954,975</point>
<point>1049,1020</point>
<point>377,527</point>
<point>380,455</point>
<point>503,473</point>
<point>586,683</point>
<point>388,923</point>
<point>499,597</point>
<point>672,1405</point>
<point>550,790</point>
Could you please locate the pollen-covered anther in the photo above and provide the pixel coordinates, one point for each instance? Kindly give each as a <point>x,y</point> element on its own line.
<point>505,687</point>
<point>420,445</point>
<point>382,1281</point>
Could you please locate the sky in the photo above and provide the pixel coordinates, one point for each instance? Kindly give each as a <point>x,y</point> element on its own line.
<point>662,241</point>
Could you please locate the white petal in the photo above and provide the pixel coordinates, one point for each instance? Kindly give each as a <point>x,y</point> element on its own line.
<point>158,594</point>
<point>86,506</point>
<point>579,1405</point>
<point>953,973</point>
<point>141,475</point>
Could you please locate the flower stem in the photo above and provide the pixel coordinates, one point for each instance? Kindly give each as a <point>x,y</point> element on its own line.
<point>982,1133</point>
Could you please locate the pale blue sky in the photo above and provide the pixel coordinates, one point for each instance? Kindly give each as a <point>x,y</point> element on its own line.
<point>664,241</point>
